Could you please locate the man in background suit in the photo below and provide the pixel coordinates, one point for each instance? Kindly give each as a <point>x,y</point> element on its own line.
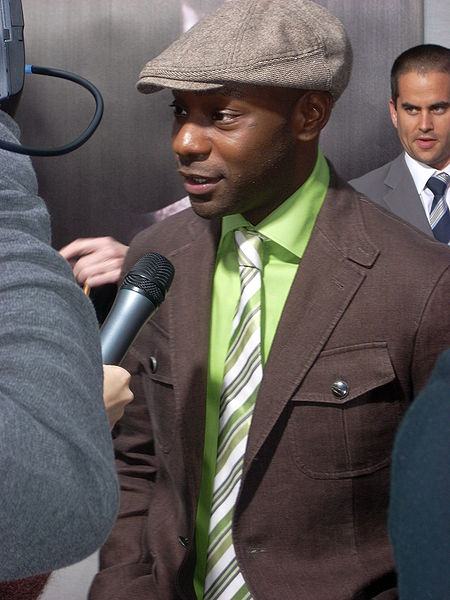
<point>420,111</point>
<point>347,334</point>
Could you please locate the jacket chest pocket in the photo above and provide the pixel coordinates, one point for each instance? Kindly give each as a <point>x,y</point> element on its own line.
<point>344,416</point>
<point>157,383</point>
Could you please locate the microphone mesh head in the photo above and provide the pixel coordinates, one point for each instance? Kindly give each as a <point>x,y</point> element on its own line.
<point>150,276</point>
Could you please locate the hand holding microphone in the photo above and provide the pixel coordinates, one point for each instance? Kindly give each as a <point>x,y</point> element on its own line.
<point>142,291</point>
<point>116,392</point>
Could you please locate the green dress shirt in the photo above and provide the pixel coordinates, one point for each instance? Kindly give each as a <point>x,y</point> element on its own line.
<point>282,253</point>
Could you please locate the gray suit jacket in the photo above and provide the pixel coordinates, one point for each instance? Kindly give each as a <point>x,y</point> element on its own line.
<point>59,491</point>
<point>392,187</point>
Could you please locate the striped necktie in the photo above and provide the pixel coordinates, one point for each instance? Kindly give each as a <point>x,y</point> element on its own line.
<point>440,215</point>
<point>242,377</point>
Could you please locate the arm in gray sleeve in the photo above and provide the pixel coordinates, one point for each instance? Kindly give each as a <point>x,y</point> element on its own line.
<point>59,492</point>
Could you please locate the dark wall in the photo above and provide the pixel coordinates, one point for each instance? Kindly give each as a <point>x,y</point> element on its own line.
<point>127,169</point>
<point>360,135</point>
<point>123,170</point>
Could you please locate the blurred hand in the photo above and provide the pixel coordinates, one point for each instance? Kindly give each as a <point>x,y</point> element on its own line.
<point>95,261</point>
<point>116,392</point>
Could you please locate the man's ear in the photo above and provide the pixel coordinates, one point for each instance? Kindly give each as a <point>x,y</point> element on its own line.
<point>311,114</point>
<point>393,112</point>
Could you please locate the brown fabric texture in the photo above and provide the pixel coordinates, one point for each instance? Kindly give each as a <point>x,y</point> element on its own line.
<point>368,306</point>
<point>23,589</point>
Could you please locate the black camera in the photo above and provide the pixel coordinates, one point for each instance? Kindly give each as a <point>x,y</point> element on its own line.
<point>12,50</point>
<point>12,76</point>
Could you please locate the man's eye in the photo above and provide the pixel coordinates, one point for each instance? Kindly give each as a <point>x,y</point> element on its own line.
<point>177,110</point>
<point>411,110</point>
<point>439,110</point>
<point>224,116</point>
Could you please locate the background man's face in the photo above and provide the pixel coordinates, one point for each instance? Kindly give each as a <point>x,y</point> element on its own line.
<point>422,116</point>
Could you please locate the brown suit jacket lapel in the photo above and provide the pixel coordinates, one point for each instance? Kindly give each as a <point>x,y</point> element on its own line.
<point>340,252</point>
<point>189,307</point>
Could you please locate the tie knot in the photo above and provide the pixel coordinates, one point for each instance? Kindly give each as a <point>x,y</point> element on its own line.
<point>438,184</point>
<point>250,248</point>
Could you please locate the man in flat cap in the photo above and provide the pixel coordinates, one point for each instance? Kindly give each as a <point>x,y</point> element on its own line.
<point>302,320</point>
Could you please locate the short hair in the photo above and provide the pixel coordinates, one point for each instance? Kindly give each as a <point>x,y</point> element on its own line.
<point>422,59</point>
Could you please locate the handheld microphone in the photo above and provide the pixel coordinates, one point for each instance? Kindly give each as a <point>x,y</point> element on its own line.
<point>142,291</point>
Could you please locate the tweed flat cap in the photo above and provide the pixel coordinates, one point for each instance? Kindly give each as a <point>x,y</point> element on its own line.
<point>277,43</point>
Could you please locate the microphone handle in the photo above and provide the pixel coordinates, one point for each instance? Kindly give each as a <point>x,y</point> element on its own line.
<point>129,313</point>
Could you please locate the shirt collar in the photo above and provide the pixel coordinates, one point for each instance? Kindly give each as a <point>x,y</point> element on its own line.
<point>421,172</point>
<point>302,208</point>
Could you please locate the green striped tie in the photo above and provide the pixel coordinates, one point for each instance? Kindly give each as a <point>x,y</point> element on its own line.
<point>242,377</point>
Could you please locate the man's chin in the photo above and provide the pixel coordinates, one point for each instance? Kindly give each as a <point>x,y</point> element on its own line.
<point>430,157</point>
<point>437,163</point>
<point>205,209</point>
<point>200,211</point>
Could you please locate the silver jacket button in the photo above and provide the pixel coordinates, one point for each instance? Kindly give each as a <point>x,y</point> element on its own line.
<point>153,364</point>
<point>340,389</point>
<point>184,541</point>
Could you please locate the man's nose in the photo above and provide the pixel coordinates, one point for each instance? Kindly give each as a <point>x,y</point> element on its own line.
<point>190,142</point>
<point>426,121</point>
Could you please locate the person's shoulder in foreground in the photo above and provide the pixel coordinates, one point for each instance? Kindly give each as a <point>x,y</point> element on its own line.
<point>59,491</point>
<point>419,511</point>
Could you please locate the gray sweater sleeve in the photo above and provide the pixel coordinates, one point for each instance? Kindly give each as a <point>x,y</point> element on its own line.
<point>58,487</point>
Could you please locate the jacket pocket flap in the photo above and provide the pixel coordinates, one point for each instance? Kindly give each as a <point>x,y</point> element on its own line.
<point>342,374</point>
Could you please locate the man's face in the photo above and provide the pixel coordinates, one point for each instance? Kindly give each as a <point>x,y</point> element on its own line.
<point>236,150</point>
<point>422,116</point>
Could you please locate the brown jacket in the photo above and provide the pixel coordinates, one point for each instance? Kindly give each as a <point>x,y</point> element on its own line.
<point>369,306</point>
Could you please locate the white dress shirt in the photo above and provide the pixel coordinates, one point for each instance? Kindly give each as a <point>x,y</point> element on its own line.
<point>421,173</point>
